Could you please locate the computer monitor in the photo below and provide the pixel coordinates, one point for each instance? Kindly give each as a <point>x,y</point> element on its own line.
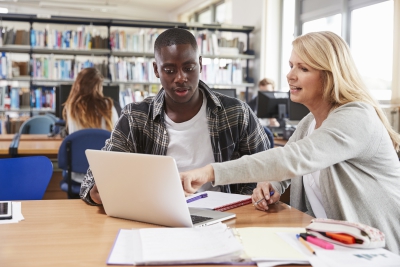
<point>272,104</point>
<point>63,90</point>
<point>297,111</point>
<point>229,92</point>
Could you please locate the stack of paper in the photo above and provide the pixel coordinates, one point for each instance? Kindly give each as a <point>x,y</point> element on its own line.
<point>210,244</point>
<point>16,214</point>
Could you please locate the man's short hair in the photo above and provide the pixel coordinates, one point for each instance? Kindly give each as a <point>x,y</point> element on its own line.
<point>174,36</point>
<point>266,81</point>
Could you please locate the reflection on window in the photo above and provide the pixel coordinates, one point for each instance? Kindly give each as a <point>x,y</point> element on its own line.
<point>371,42</point>
<point>332,23</point>
<point>205,17</point>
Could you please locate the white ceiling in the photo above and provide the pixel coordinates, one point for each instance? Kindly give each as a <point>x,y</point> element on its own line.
<point>160,10</point>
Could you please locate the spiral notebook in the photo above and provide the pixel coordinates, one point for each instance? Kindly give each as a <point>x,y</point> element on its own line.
<point>219,201</point>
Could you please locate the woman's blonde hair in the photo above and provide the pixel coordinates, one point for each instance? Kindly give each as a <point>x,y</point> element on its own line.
<point>329,53</point>
<point>86,103</point>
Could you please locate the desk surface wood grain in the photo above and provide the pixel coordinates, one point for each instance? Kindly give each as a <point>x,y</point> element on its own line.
<point>27,137</point>
<point>39,147</point>
<point>72,233</point>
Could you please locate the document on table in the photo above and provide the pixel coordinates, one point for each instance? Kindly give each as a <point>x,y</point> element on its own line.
<point>263,244</point>
<point>343,256</point>
<point>16,214</point>
<point>211,244</point>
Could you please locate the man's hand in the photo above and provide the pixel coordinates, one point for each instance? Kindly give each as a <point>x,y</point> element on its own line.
<point>194,179</point>
<point>94,195</point>
<point>262,192</point>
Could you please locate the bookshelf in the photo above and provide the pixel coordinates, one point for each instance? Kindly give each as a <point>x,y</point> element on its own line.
<point>77,42</point>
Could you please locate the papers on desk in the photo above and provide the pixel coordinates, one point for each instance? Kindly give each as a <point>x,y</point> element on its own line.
<point>343,256</point>
<point>218,244</point>
<point>16,214</point>
<point>151,246</point>
<point>219,201</point>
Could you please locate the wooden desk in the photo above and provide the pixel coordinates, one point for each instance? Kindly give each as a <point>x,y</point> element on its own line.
<point>27,137</point>
<point>47,148</point>
<point>4,148</point>
<point>279,141</point>
<point>72,233</point>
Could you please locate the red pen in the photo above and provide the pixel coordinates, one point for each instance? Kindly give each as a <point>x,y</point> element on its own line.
<point>316,241</point>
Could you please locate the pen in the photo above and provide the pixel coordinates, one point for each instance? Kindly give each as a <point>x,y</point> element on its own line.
<point>270,193</point>
<point>203,195</point>
<point>316,241</point>
<point>305,244</point>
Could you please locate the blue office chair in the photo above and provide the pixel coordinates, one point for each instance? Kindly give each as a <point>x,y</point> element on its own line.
<point>72,158</point>
<point>40,124</point>
<point>24,178</point>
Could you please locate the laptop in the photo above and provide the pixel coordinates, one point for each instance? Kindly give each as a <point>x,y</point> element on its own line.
<point>146,188</point>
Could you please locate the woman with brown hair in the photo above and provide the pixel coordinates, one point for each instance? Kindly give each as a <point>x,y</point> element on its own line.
<point>86,106</point>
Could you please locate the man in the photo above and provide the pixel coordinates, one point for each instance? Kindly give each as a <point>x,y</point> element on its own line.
<point>185,119</point>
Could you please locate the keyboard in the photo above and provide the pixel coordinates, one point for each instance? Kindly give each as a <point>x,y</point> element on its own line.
<point>199,219</point>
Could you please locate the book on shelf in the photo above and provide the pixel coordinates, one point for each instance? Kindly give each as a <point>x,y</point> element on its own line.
<point>219,201</point>
<point>132,69</point>
<point>136,40</point>
<point>82,39</point>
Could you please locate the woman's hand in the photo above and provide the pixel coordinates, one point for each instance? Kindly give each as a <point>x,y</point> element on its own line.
<point>262,192</point>
<point>194,179</point>
<point>94,195</point>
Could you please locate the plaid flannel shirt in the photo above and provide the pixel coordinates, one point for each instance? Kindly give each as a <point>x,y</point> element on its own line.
<point>234,132</point>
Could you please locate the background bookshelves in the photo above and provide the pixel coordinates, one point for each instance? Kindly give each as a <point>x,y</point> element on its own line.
<point>40,53</point>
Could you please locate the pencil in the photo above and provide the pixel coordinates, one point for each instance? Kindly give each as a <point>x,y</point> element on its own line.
<point>305,244</point>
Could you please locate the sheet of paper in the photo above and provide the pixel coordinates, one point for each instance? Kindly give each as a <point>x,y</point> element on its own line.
<point>264,244</point>
<point>17,214</point>
<point>216,199</point>
<point>345,256</point>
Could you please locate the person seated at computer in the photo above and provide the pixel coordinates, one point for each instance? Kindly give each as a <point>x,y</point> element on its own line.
<point>87,107</point>
<point>185,120</point>
<point>341,161</point>
<point>265,84</point>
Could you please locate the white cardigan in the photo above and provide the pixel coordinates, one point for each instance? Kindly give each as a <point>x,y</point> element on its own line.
<point>359,169</point>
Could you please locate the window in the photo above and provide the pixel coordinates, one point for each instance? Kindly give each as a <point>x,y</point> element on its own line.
<point>371,40</point>
<point>205,16</point>
<point>332,23</point>
<point>367,28</point>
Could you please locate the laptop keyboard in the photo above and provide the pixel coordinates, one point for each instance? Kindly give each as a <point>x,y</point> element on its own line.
<point>199,219</point>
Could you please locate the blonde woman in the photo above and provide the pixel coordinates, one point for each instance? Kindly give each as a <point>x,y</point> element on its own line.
<point>86,106</point>
<point>341,161</point>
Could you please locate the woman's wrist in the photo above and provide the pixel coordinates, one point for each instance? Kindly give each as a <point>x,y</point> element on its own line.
<point>210,173</point>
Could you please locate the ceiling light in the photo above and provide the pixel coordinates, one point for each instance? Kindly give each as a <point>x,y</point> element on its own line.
<point>3,10</point>
<point>77,5</point>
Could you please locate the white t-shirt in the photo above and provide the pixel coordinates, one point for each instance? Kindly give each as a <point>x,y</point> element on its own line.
<point>311,185</point>
<point>190,143</point>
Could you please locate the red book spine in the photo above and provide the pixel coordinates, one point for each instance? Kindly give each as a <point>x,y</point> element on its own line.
<point>234,205</point>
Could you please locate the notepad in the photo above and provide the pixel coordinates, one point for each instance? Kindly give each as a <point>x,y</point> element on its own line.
<point>219,201</point>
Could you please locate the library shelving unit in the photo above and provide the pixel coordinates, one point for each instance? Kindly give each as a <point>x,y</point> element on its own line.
<point>59,47</point>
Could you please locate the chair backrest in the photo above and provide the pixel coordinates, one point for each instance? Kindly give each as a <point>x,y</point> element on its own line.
<point>24,178</point>
<point>79,141</point>
<point>40,124</point>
